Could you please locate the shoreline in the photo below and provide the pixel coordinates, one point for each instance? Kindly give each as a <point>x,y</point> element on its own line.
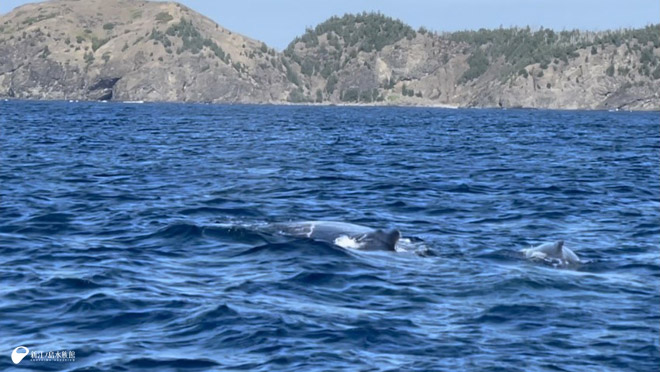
<point>326,104</point>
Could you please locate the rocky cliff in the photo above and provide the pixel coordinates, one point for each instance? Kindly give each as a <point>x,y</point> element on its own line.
<point>154,51</point>
<point>372,58</point>
<point>132,50</point>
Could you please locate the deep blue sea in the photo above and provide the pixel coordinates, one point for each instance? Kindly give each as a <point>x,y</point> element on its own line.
<point>135,236</point>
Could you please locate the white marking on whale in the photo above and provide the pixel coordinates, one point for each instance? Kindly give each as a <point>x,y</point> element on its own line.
<point>552,252</point>
<point>345,241</point>
<point>345,235</point>
<point>311,231</point>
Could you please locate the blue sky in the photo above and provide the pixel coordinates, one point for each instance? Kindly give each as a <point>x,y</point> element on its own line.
<point>277,22</point>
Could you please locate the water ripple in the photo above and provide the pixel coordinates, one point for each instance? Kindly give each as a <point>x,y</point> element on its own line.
<point>140,236</point>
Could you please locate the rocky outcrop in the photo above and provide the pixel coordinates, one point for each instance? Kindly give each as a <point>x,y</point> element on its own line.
<point>132,50</point>
<point>155,51</point>
<point>491,68</point>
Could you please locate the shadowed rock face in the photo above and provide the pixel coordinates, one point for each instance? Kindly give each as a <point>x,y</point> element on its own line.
<point>156,51</point>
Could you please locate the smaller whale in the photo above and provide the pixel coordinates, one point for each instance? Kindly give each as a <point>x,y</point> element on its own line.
<point>345,235</point>
<point>552,252</point>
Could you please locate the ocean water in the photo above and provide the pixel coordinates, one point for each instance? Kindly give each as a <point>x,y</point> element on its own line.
<point>134,236</point>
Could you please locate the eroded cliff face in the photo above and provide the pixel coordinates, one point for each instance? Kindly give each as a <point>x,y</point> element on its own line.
<point>154,51</point>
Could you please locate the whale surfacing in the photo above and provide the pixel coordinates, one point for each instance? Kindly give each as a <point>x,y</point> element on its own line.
<point>345,235</point>
<point>552,252</point>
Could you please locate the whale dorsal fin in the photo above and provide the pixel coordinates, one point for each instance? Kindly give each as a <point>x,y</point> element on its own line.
<point>380,240</point>
<point>558,246</point>
<point>390,238</point>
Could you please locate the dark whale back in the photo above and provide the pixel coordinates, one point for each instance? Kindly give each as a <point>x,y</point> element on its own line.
<point>329,231</point>
<point>380,240</point>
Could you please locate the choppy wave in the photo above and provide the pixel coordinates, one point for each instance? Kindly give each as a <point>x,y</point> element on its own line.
<point>136,235</point>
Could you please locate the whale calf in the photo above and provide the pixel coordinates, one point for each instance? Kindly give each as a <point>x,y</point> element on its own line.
<point>552,252</point>
<point>345,235</point>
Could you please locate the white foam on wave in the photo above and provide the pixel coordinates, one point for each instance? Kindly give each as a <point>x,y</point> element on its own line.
<point>568,257</point>
<point>412,246</point>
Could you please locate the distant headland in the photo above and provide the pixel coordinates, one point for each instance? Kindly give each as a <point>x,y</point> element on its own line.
<point>156,51</point>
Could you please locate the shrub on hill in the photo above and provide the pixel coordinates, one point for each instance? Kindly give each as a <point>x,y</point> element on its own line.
<point>364,32</point>
<point>372,31</point>
<point>520,47</point>
<point>193,40</point>
<point>478,63</point>
<point>164,17</point>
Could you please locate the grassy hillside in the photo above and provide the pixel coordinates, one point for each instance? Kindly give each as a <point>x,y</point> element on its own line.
<point>121,49</point>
